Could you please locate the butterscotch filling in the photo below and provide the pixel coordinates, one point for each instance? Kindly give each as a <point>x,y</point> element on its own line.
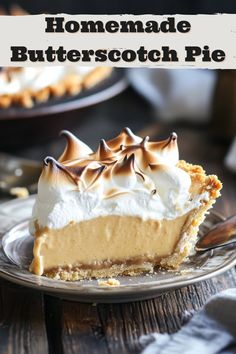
<point>100,240</point>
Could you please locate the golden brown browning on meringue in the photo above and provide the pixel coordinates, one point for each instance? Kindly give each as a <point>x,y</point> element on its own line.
<point>126,137</point>
<point>126,166</point>
<point>169,143</point>
<point>126,159</point>
<point>75,148</point>
<point>103,152</point>
<point>54,171</point>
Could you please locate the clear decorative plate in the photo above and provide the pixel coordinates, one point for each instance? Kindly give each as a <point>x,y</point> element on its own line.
<point>16,254</point>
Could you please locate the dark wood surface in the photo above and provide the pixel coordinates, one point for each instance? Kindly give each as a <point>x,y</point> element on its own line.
<point>31,322</point>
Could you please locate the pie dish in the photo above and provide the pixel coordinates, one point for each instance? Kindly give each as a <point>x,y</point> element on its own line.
<point>25,86</point>
<point>124,209</point>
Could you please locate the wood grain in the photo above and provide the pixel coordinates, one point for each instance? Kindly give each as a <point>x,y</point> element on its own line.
<point>116,328</point>
<point>22,325</point>
<point>82,329</point>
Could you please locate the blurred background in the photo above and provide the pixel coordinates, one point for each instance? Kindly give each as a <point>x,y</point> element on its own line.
<point>123,6</point>
<point>200,105</point>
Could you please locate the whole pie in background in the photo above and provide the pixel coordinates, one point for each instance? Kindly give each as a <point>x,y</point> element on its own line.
<point>25,86</point>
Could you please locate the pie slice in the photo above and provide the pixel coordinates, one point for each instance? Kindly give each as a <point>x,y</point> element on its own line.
<point>124,209</point>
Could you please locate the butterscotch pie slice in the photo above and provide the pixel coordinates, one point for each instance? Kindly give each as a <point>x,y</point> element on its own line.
<point>124,209</point>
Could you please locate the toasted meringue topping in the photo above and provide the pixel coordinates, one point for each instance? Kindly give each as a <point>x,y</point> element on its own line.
<point>126,174</point>
<point>103,152</point>
<point>126,137</point>
<point>57,173</point>
<point>75,148</point>
<point>125,158</point>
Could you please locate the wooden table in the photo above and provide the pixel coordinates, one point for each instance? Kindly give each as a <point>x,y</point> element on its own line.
<point>31,322</point>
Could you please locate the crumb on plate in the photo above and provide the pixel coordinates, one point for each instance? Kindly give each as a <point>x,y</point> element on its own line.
<point>19,192</point>
<point>112,282</point>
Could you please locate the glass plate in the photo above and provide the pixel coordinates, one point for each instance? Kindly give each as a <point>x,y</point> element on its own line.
<point>16,254</point>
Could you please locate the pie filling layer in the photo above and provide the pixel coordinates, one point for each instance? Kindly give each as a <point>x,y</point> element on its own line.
<point>101,240</point>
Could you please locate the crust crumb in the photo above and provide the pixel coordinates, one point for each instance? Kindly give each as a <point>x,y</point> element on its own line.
<point>19,192</point>
<point>111,282</point>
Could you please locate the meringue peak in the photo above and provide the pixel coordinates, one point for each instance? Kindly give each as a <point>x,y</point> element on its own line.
<point>51,163</point>
<point>91,175</point>
<point>144,141</point>
<point>74,149</point>
<point>49,160</point>
<point>159,145</point>
<point>103,152</point>
<point>166,150</point>
<point>171,140</point>
<point>124,162</point>
<point>173,136</point>
<point>126,137</point>
<point>57,174</point>
<point>126,166</point>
